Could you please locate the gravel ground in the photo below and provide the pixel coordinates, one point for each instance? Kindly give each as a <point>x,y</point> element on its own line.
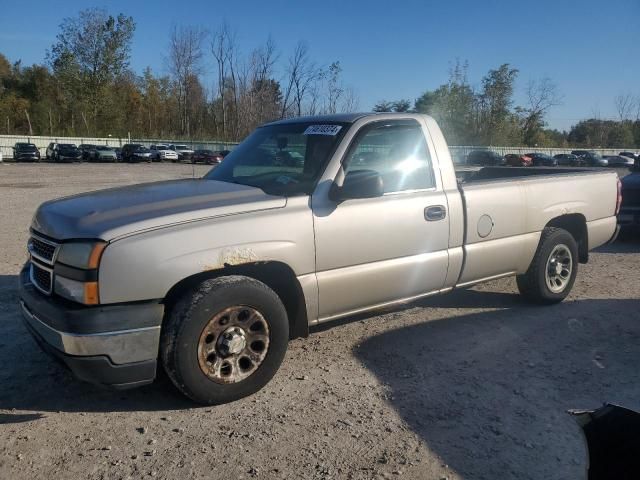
<point>472,385</point>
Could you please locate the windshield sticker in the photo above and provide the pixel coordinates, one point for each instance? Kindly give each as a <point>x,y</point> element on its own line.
<point>322,130</point>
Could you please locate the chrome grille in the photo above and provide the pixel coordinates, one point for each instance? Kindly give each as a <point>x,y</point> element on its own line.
<point>41,278</point>
<point>42,249</point>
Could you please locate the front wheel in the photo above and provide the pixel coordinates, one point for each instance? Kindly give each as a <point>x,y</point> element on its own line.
<point>225,339</point>
<point>553,269</point>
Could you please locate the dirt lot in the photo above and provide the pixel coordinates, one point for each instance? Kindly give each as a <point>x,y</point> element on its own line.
<point>471,385</point>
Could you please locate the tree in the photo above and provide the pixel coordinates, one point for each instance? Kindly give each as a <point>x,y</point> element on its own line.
<point>185,64</point>
<point>302,73</point>
<point>90,52</point>
<point>625,105</point>
<point>496,123</point>
<point>402,105</point>
<point>541,96</point>
<point>453,105</point>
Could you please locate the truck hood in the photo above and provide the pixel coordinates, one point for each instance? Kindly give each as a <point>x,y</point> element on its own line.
<point>112,213</point>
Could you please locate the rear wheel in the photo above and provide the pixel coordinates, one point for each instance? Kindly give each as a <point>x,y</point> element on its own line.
<point>553,269</point>
<point>225,339</point>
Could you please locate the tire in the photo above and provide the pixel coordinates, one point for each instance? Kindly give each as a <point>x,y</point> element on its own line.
<point>187,337</point>
<point>535,284</point>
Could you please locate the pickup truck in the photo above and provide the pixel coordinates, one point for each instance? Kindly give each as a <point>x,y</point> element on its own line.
<point>308,220</point>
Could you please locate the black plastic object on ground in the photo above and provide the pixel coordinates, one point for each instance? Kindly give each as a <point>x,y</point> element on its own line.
<point>613,439</point>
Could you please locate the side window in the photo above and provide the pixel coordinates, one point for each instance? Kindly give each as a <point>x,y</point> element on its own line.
<point>397,151</point>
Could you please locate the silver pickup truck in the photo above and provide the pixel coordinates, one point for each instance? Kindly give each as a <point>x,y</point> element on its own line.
<point>306,221</point>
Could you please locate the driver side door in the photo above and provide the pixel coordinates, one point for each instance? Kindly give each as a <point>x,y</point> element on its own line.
<point>374,251</point>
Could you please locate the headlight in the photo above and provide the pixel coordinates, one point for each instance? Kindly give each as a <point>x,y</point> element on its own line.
<point>72,280</point>
<point>83,255</point>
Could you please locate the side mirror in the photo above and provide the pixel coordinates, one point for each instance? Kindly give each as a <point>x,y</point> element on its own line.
<point>358,184</point>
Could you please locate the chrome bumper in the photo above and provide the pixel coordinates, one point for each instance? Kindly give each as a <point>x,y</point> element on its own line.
<point>122,347</point>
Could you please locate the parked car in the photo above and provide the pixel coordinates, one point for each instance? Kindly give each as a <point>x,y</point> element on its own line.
<point>103,153</point>
<point>66,152</point>
<point>26,152</point>
<point>213,276</point>
<point>542,160</point>
<point>632,155</point>
<point>224,153</point>
<point>629,217</point>
<point>517,160</point>
<point>484,158</point>
<point>183,151</point>
<point>118,154</point>
<point>619,161</point>
<point>206,156</point>
<point>567,159</point>
<point>49,151</point>
<point>86,149</point>
<point>590,158</point>
<point>135,152</point>
<point>162,152</point>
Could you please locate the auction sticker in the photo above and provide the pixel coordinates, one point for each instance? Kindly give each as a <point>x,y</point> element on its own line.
<point>322,130</point>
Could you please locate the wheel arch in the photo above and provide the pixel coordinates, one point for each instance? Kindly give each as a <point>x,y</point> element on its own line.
<point>576,225</point>
<point>276,275</point>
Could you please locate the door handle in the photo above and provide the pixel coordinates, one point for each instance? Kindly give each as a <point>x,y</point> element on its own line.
<point>435,213</point>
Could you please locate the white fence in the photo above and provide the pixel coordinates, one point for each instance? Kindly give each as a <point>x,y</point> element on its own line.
<point>458,153</point>
<point>8,141</point>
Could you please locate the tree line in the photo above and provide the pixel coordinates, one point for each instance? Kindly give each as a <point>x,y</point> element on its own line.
<point>86,87</point>
<point>487,115</point>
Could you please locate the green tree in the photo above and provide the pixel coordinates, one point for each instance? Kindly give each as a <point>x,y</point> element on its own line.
<point>90,52</point>
<point>452,105</point>
<point>496,123</point>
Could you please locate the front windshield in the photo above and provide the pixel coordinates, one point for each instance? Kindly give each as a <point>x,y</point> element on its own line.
<point>285,159</point>
<point>68,145</point>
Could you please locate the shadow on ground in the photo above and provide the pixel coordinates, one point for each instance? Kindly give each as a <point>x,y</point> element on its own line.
<point>488,392</point>
<point>628,241</point>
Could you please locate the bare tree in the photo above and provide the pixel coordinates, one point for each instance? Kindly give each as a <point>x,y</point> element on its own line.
<point>625,105</point>
<point>222,49</point>
<point>541,96</point>
<point>351,101</point>
<point>301,75</point>
<point>185,64</point>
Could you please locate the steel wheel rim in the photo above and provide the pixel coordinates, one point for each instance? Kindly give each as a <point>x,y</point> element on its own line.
<point>233,344</point>
<point>559,268</point>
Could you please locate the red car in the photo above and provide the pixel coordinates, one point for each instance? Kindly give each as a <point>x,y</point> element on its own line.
<point>206,156</point>
<point>516,160</point>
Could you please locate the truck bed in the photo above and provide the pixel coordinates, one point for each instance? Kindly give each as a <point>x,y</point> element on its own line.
<point>506,209</point>
<point>479,174</point>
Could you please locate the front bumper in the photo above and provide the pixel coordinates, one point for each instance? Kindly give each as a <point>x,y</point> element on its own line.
<point>26,157</point>
<point>115,345</point>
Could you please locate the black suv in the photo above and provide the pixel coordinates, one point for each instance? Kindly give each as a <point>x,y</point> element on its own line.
<point>66,152</point>
<point>135,152</point>
<point>86,149</point>
<point>26,152</point>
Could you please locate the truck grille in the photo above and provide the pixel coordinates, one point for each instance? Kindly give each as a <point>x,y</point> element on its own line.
<point>41,278</point>
<point>43,255</point>
<point>42,249</point>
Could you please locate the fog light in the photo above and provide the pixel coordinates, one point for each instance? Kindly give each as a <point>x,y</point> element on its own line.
<point>81,292</point>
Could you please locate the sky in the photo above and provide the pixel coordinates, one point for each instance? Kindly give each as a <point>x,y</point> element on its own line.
<point>390,49</point>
